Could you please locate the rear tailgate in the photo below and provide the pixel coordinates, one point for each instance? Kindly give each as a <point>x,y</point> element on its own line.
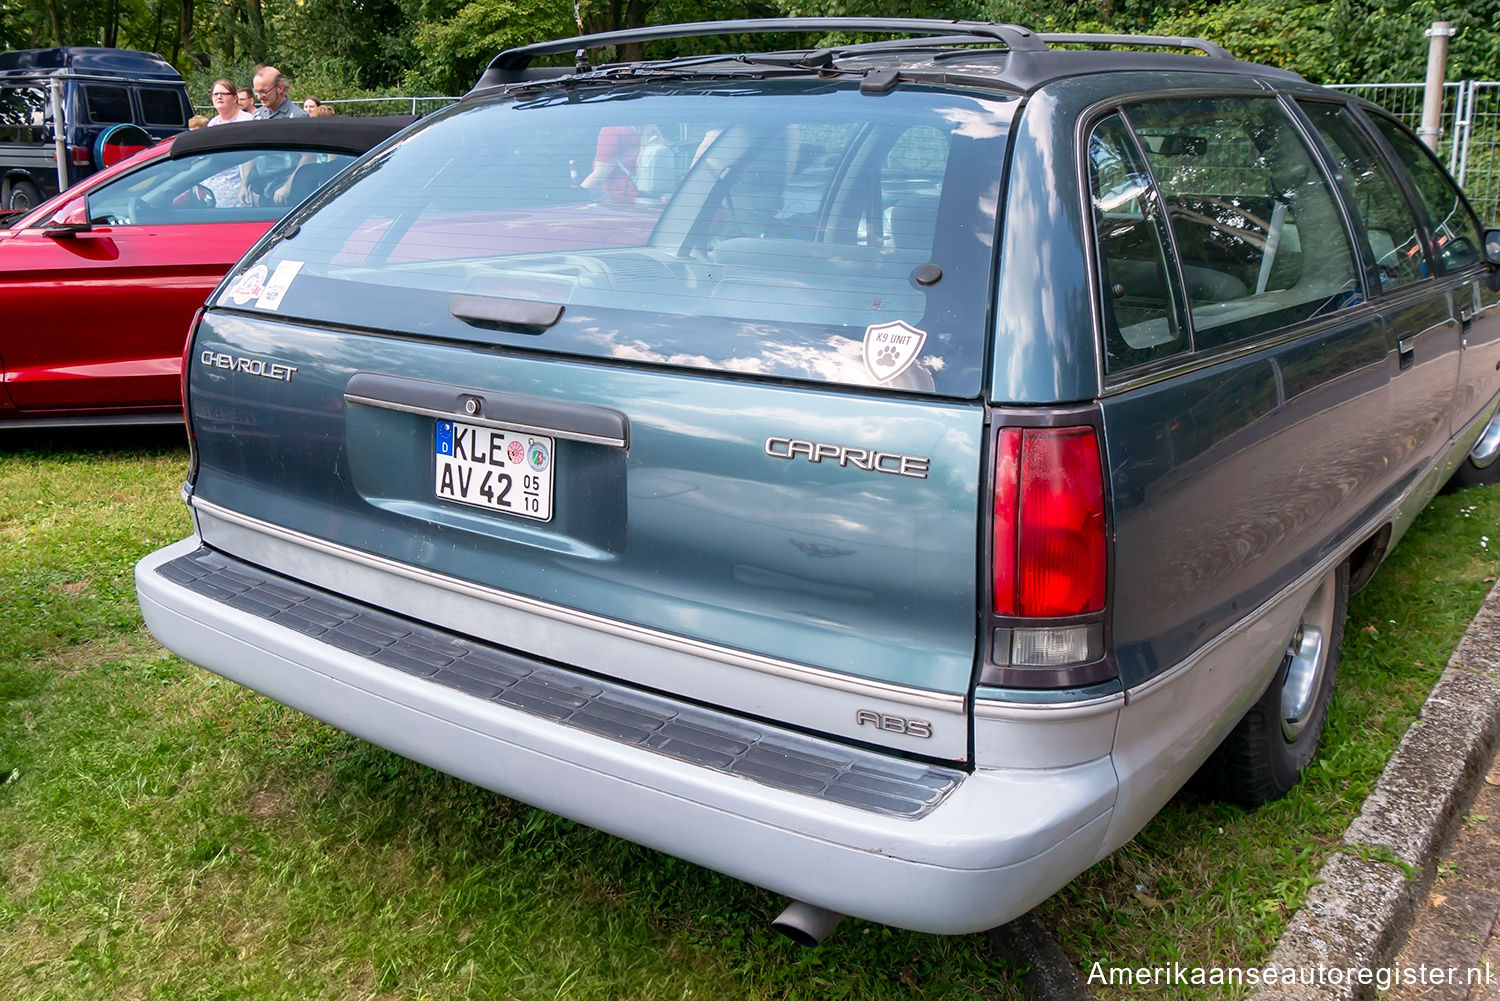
<point>711,427</point>
<point>709,522</point>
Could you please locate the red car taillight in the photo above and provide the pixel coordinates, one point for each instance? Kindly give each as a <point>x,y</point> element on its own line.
<point>1050,552</point>
<point>80,156</point>
<point>1049,523</point>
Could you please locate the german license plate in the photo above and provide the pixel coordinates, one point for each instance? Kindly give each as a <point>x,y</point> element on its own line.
<point>494,468</point>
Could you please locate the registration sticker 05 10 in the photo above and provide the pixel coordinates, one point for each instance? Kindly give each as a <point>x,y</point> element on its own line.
<point>493,468</point>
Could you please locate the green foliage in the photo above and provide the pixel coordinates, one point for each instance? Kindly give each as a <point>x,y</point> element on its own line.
<point>353,48</point>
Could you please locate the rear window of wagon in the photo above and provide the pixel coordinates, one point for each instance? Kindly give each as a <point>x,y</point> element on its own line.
<point>768,229</point>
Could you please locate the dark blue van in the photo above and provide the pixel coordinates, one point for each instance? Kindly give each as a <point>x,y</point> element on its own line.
<point>109,98</point>
<point>885,472</point>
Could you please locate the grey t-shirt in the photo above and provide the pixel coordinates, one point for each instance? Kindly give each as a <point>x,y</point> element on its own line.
<point>286,109</point>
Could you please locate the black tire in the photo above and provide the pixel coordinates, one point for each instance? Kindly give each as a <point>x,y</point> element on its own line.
<point>1264,755</point>
<point>23,196</point>
<point>1470,475</point>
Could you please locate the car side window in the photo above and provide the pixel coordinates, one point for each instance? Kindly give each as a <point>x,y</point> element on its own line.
<point>228,186</point>
<point>1140,317</point>
<point>1261,240</point>
<point>1394,237</point>
<point>1455,231</point>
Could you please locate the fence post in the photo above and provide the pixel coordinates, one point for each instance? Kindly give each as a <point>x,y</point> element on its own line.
<point>60,133</point>
<point>1431,130</point>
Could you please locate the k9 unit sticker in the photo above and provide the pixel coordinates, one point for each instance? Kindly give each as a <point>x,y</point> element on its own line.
<point>891,348</point>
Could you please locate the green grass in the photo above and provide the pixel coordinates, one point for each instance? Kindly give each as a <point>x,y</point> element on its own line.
<point>165,834</point>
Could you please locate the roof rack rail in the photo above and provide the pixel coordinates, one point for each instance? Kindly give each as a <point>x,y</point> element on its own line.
<point>1145,41</point>
<point>510,65</point>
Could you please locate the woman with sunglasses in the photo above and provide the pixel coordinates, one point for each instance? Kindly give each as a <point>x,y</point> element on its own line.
<point>226,104</point>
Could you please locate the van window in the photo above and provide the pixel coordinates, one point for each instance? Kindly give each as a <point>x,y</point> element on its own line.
<point>775,229</point>
<point>22,112</point>
<point>160,106</point>
<point>1140,317</point>
<point>1254,221</point>
<point>107,104</point>
<point>1455,231</point>
<point>1394,238</point>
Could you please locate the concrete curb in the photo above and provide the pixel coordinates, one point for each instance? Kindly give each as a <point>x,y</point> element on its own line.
<point>1356,917</point>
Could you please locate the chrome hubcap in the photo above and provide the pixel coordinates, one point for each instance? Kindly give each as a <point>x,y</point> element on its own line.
<point>1306,661</point>
<point>1487,448</point>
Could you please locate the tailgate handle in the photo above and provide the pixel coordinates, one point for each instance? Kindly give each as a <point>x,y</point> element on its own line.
<point>530,316</point>
<point>558,419</point>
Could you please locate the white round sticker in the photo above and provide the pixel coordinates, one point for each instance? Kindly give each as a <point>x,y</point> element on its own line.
<point>250,285</point>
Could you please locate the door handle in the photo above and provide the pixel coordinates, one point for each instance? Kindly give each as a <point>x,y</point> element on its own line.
<point>1406,350</point>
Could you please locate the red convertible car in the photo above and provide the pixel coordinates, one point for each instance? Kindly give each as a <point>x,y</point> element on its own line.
<point>98,286</point>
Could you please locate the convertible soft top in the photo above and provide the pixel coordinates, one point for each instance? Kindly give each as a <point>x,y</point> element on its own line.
<point>330,135</point>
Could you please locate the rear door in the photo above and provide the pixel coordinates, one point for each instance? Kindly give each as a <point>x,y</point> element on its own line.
<point>1457,244</point>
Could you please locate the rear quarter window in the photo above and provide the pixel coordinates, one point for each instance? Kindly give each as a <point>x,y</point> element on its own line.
<point>771,230</point>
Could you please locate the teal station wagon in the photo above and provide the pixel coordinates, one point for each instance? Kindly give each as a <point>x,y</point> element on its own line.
<point>883,472</point>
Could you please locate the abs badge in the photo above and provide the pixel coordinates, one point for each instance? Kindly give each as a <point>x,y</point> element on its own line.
<point>890,348</point>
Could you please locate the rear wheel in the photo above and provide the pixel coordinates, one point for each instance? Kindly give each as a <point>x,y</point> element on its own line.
<point>1265,753</point>
<point>23,196</point>
<point>1481,467</point>
<point>1470,475</point>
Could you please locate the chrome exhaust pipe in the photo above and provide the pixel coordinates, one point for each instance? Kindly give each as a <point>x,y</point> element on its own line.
<point>806,924</point>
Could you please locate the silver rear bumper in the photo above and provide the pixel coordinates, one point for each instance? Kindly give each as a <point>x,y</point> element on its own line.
<point>987,847</point>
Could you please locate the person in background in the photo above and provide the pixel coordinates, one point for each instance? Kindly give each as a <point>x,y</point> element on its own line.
<point>226,104</point>
<point>197,122</point>
<point>322,111</point>
<point>310,103</point>
<point>246,101</point>
<point>615,154</point>
<point>270,87</point>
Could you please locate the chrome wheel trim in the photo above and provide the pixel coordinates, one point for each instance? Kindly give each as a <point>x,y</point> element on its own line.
<point>1307,661</point>
<point>1487,449</point>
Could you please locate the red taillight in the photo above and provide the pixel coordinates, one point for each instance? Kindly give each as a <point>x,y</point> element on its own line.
<point>1049,523</point>
<point>80,156</point>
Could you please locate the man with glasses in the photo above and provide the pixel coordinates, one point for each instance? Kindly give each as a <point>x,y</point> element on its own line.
<point>226,104</point>
<point>247,101</point>
<point>270,88</point>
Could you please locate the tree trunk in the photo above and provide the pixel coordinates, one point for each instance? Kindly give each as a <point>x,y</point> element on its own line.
<point>184,45</point>
<point>257,42</point>
<point>54,15</point>
<point>112,24</point>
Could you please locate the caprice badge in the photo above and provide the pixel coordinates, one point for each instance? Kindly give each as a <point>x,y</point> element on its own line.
<point>871,460</point>
<point>250,366</point>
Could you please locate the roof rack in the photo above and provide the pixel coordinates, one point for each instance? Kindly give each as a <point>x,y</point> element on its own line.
<point>510,65</point>
<point>1142,41</point>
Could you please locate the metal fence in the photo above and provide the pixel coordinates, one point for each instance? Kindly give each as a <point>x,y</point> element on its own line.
<point>389,105</point>
<point>1470,143</point>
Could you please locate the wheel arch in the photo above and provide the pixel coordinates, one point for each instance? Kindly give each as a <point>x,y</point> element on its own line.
<point>1366,557</point>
